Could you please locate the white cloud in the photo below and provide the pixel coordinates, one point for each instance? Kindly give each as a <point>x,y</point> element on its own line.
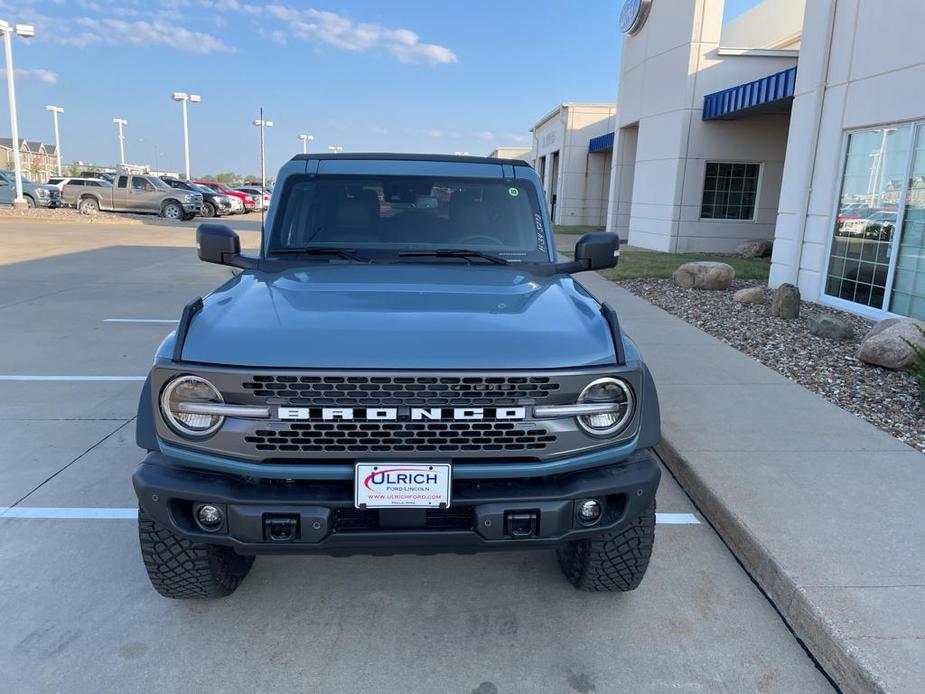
<point>36,75</point>
<point>486,135</point>
<point>116,32</point>
<point>341,31</point>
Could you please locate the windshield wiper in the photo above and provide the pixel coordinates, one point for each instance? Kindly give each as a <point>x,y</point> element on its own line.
<point>346,253</point>
<point>455,253</point>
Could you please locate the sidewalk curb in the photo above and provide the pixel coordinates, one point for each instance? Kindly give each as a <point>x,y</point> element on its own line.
<point>839,660</point>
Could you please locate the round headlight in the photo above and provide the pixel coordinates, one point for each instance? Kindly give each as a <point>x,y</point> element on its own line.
<point>190,389</point>
<point>605,391</point>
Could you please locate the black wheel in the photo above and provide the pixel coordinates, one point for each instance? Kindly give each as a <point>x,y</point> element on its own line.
<point>182,569</point>
<point>208,209</point>
<point>88,206</point>
<point>172,210</point>
<point>613,562</point>
<point>30,203</point>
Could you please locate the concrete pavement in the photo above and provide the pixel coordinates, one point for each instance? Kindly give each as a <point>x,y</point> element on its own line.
<point>823,509</point>
<point>78,613</point>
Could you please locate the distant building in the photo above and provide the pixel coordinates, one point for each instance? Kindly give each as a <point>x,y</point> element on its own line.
<point>510,153</point>
<point>39,160</point>
<point>575,178</point>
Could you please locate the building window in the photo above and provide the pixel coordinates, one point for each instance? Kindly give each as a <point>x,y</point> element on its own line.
<point>729,190</point>
<point>878,244</point>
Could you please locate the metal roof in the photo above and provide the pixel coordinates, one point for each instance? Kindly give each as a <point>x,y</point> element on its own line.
<point>771,94</point>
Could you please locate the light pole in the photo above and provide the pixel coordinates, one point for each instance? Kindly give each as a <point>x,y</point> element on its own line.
<point>55,110</point>
<point>183,97</point>
<point>120,122</point>
<point>263,125</point>
<point>25,31</point>
<point>337,149</point>
<point>305,140</point>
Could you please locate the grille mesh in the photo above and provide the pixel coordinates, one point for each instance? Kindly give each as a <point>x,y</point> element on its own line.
<point>386,437</point>
<point>403,390</point>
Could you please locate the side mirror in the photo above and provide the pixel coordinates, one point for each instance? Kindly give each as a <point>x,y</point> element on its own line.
<point>219,244</point>
<point>597,250</point>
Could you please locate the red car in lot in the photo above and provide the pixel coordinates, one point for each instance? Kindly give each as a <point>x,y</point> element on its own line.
<point>248,201</point>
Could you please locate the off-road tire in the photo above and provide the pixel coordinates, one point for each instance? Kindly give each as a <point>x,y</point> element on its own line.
<point>613,562</point>
<point>183,569</point>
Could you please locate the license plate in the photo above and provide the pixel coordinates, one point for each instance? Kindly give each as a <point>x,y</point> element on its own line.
<point>405,485</point>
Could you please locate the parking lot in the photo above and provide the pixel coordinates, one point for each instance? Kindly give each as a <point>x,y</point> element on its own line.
<point>82,309</point>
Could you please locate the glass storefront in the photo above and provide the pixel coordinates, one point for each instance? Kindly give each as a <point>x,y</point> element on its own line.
<point>877,257</point>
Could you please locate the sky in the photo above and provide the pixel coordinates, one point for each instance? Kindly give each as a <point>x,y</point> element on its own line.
<point>366,75</point>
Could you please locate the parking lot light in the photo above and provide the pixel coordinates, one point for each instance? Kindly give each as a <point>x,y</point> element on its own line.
<point>121,122</point>
<point>305,140</point>
<point>55,110</point>
<point>25,31</point>
<point>183,97</point>
<point>263,125</point>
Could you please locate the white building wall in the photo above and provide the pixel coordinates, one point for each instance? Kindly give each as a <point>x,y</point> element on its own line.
<point>667,68</point>
<point>856,82</point>
<point>583,181</point>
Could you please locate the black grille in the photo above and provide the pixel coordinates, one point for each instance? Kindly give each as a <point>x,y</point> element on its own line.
<point>385,437</point>
<point>403,390</point>
<point>364,520</point>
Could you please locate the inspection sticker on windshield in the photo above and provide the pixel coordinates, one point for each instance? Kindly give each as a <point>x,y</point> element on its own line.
<point>405,485</point>
<point>513,192</point>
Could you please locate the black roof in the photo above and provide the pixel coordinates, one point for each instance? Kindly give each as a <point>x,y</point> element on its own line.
<point>392,156</point>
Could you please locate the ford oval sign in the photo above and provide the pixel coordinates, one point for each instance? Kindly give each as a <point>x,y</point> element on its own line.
<point>633,15</point>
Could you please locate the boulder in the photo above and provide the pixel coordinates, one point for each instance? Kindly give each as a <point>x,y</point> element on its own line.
<point>886,343</point>
<point>786,302</point>
<point>704,274</point>
<point>829,327</point>
<point>755,248</point>
<point>750,295</point>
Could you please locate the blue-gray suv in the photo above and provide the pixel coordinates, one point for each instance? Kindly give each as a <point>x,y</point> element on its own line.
<point>406,366</point>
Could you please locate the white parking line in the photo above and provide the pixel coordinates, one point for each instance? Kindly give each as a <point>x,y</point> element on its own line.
<point>139,320</point>
<point>18,377</point>
<point>131,513</point>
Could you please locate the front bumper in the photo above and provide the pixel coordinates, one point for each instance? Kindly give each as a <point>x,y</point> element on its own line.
<point>484,514</point>
<point>192,207</point>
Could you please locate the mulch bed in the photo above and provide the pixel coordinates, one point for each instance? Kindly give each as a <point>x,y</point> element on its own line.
<point>887,399</point>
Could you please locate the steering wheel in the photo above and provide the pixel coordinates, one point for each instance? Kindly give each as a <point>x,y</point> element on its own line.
<point>479,238</point>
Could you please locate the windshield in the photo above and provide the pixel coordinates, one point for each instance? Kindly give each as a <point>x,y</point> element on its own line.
<point>378,215</point>
<point>158,183</point>
<point>202,189</point>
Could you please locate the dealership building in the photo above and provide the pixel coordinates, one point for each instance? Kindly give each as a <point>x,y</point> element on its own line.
<point>797,121</point>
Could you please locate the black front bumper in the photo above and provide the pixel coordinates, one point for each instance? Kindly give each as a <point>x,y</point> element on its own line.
<point>319,517</point>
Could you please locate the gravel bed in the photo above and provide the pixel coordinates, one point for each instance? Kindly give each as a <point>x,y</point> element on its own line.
<point>68,214</point>
<point>887,399</point>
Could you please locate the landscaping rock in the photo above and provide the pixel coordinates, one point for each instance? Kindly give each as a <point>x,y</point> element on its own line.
<point>755,248</point>
<point>886,343</point>
<point>704,275</point>
<point>751,295</point>
<point>786,302</point>
<point>829,327</point>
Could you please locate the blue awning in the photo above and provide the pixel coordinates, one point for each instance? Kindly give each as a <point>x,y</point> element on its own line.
<point>601,143</point>
<point>771,94</point>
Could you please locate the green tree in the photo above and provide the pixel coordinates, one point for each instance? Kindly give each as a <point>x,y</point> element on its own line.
<point>229,178</point>
<point>73,169</point>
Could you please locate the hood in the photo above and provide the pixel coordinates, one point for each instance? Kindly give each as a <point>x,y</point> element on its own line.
<point>400,316</point>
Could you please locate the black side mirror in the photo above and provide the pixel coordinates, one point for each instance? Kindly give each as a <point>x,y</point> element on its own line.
<point>597,250</point>
<point>219,244</point>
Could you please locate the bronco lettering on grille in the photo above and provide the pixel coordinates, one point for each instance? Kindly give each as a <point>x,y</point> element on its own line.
<point>415,414</point>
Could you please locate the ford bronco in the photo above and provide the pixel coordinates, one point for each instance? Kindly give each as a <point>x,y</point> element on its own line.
<point>407,365</point>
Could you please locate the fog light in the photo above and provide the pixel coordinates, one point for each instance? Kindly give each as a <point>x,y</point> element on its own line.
<point>209,517</point>
<point>589,511</point>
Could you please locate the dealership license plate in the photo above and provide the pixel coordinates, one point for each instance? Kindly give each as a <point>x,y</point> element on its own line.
<point>402,485</point>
